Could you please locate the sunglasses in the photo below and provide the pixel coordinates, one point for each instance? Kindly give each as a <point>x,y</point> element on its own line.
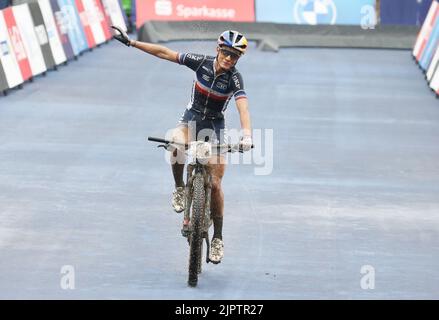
<point>227,53</point>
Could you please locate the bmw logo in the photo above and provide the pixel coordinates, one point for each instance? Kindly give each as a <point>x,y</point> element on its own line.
<point>315,12</point>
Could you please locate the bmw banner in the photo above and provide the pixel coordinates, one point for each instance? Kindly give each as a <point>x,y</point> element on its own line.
<point>313,12</point>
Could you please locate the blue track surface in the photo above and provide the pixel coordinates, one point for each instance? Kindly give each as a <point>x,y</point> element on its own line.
<point>355,180</point>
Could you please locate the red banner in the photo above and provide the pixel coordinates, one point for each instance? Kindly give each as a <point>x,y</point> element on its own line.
<point>17,44</point>
<point>189,10</point>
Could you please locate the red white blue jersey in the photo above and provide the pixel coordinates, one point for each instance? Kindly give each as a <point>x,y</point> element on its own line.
<point>209,90</point>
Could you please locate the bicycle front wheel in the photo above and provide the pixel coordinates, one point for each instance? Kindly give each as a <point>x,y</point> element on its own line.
<point>198,203</point>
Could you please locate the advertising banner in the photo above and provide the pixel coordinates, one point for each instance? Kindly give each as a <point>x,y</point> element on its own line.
<point>314,12</point>
<point>30,41</point>
<point>62,27</point>
<point>430,47</point>
<point>85,21</point>
<point>432,69</point>
<point>189,10</point>
<point>41,33</point>
<point>75,30</point>
<point>426,30</point>
<point>104,19</point>
<point>52,32</point>
<point>114,11</point>
<point>404,12</point>
<point>10,71</point>
<point>17,44</point>
<point>434,84</point>
<point>94,18</point>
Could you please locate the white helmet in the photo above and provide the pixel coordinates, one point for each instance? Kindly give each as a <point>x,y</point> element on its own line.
<point>233,39</point>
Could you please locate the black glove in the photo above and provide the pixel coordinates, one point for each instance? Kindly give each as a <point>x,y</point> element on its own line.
<point>122,37</point>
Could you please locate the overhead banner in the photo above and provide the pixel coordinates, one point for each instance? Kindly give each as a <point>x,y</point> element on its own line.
<point>41,33</point>
<point>10,75</point>
<point>17,44</point>
<point>62,26</point>
<point>30,41</point>
<point>314,12</point>
<point>74,26</point>
<point>426,30</point>
<point>114,11</point>
<point>52,32</point>
<point>189,10</point>
<point>403,12</point>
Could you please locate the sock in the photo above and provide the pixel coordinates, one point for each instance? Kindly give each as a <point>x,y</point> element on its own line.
<point>218,227</point>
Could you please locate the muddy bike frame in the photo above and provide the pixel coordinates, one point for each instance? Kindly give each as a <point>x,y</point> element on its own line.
<point>197,197</point>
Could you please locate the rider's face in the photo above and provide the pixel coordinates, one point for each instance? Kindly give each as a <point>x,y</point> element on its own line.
<point>227,58</point>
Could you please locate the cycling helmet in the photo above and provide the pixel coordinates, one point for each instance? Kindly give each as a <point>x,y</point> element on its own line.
<point>233,39</point>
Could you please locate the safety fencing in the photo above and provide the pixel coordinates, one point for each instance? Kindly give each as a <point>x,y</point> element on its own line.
<point>426,50</point>
<point>40,35</point>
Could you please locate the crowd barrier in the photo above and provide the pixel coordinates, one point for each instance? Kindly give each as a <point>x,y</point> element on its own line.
<point>40,35</point>
<point>426,50</point>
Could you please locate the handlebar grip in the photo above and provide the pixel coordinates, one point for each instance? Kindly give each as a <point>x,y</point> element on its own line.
<point>158,140</point>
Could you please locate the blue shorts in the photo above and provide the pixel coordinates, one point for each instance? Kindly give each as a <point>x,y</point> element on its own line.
<point>213,131</point>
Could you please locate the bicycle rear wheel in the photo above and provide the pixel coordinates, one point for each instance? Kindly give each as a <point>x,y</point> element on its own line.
<point>196,240</point>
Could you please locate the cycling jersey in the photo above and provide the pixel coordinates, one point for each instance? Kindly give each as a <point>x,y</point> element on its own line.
<point>211,92</point>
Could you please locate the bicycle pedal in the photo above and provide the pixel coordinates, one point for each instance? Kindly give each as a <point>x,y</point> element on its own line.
<point>185,231</point>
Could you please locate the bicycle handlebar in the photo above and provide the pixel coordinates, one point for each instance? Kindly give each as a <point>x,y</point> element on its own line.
<point>229,147</point>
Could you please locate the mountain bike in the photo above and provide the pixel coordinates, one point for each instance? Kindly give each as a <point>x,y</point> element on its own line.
<point>197,197</point>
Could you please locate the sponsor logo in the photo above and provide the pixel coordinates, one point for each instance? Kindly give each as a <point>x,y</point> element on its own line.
<point>236,81</point>
<point>163,7</point>
<point>194,57</point>
<point>205,12</point>
<point>41,34</point>
<point>4,48</point>
<point>17,43</point>
<point>207,69</point>
<point>205,77</point>
<point>221,85</point>
<point>315,12</point>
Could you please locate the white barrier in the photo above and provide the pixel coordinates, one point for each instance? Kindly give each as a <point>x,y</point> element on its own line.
<point>52,32</point>
<point>114,11</point>
<point>433,65</point>
<point>426,30</point>
<point>94,20</point>
<point>25,25</point>
<point>7,57</point>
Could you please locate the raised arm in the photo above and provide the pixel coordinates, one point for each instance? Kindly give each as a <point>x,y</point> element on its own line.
<point>157,50</point>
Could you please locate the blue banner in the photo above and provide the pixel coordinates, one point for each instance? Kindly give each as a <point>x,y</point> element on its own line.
<point>348,12</point>
<point>431,47</point>
<point>74,26</point>
<point>404,12</point>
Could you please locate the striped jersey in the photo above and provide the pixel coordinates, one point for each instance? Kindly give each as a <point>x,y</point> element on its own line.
<point>209,90</point>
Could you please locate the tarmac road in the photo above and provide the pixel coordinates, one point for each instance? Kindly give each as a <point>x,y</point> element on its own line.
<point>351,183</point>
